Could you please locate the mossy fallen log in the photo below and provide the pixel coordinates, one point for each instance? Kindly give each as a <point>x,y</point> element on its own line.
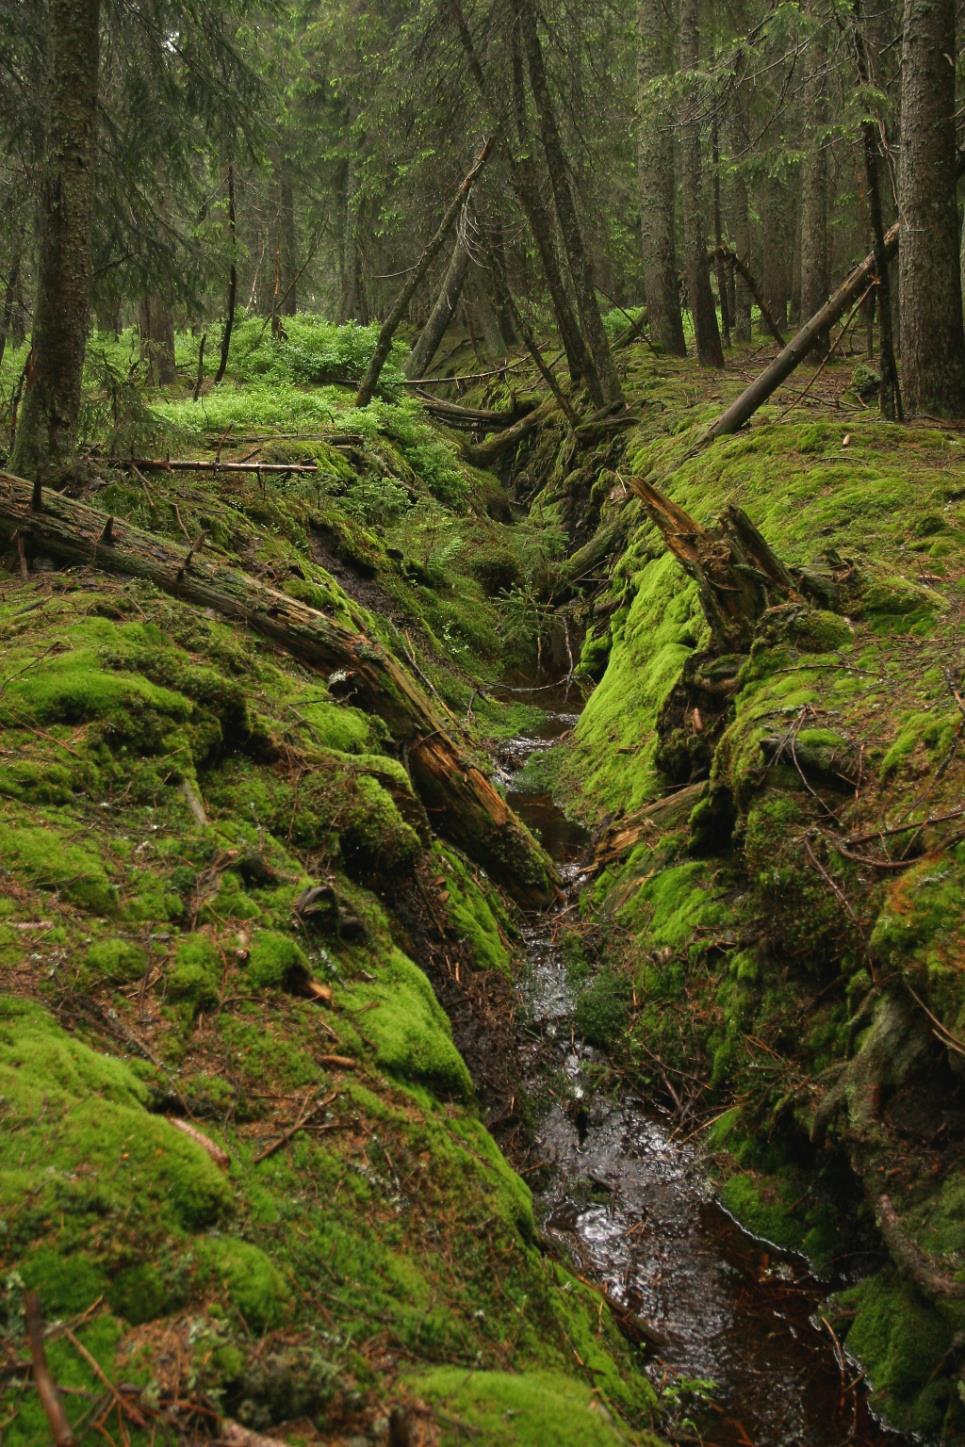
<point>460,800</point>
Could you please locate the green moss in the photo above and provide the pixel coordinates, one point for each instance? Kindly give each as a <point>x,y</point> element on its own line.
<point>477,916</point>
<point>525,1410</point>
<point>275,961</point>
<point>45,857</point>
<point>120,960</point>
<point>255,1286</point>
<point>195,975</point>
<point>925,734</point>
<point>901,1340</point>
<point>66,1284</point>
<point>408,1028</point>
<point>602,1010</point>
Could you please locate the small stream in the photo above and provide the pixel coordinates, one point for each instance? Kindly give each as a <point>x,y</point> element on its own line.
<point>635,1211</point>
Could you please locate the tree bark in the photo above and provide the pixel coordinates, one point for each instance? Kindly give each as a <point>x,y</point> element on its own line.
<point>890,395</point>
<point>798,347</point>
<point>51,405</point>
<point>774,242</point>
<point>815,263</point>
<point>527,190</point>
<point>459,799</point>
<point>704,312</point>
<point>9,301</point>
<point>742,218</point>
<point>232,299</point>
<point>389,327</point>
<point>430,338</point>
<point>930,291</point>
<point>571,228</point>
<point>288,243</point>
<point>156,327</point>
<point>657,183</point>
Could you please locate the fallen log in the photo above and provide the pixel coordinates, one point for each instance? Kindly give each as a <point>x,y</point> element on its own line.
<point>737,573</point>
<point>164,464</point>
<point>457,415</point>
<point>929,1274</point>
<point>458,797</point>
<point>483,454</point>
<point>798,347</point>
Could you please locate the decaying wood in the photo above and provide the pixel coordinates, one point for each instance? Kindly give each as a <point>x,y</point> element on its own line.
<point>458,797</point>
<point>220,1156</point>
<point>169,464</point>
<point>485,453</point>
<point>232,1434</point>
<point>800,345</point>
<point>456,416</point>
<point>61,1430</point>
<point>736,571</point>
<point>922,1268</point>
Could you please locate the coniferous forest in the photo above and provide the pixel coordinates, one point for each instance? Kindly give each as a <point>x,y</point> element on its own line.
<point>482,723</point>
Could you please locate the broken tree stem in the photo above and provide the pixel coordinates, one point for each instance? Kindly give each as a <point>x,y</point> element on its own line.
<point>63,1433</point>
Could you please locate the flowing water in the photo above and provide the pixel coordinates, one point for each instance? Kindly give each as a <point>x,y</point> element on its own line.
<point>634,1209</point>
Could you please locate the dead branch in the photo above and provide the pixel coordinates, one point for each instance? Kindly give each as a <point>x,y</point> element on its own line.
<point>921,1267</point>
<point>217,1153</point>
<point>63,1433</point>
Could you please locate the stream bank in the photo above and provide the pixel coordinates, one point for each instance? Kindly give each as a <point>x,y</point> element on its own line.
<point>742,1350</point>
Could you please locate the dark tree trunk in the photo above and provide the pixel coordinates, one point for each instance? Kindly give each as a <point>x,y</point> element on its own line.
<point>352,304</point>
<point>890,398</point>
<point>742,222</point>
<point>51,403</point>
<point>571,229</point>
<point>232,299</point>
<point>288,238</point>
<point>655,170</point>
<point>9,302</point>
<point>932,340</point>
<point>430,338</point>
<point>774,245</point>
<point>526,187</point>
<point>815,263</point>
<point>156,326</point>
<point>722,271</point>
<point>706,331</point>
<point>502,300</point>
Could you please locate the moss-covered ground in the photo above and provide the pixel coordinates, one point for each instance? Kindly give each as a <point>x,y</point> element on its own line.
<point>241,1158</point>
<point>776,908</point>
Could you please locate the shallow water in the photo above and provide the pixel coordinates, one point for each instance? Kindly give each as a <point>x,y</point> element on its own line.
<point>634,1209</point>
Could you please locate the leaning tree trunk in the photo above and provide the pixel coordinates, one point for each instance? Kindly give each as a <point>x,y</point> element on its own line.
<point>571,228</point>
<point>657,182</point>
<point>389,327</point>
<point>459,799</point>
<point>815,262</point>
<point>930,289</point>
<point>156,327</point>
<point>430,338</point>
<point>527,190</point>
<point>704,312</point>
<point>232,298</point>
<point>51,404</point>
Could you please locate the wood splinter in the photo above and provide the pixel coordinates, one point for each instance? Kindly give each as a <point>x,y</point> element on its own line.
<point>107,536</point>
<point>194,549</point>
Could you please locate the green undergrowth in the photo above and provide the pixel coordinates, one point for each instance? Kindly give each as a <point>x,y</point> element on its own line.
<point>239,1149</point>
<point>763,924</point>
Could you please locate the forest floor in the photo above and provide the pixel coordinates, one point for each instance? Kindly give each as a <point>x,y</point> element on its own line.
<point>243,1162</point>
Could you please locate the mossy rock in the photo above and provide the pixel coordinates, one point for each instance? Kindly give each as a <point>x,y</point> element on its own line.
<point>254,1285</point>
<point>275,961</point>
<point>195,974</point>
<point>44,856</point>
<point>118,960</point>
<point>410,1031</point>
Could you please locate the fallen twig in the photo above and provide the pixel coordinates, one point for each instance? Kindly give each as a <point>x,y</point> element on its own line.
<point>312,1107</point>
<point>63,1433</point>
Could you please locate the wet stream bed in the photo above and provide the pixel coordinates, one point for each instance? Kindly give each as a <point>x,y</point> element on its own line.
<point>633,1208</point>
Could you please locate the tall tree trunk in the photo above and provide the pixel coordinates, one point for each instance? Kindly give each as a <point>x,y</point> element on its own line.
<point>526,188</point>
<point>932,339</point>
<point>232,299</point>
<point>571,229</point>
<point>430,338</point>
<point>742,220</point>
<point>502,298</point>
<point>156,326</point>
<point>288,242</point>
<point>721,268</point>
<point>706,331</point>
<point>890,395</point>
<point>352,304</point>
<point>815,262</point>
<point>384,344</point>
<point>9,301</point>
<point>655,170</point>
<point>775,277</point>
<point>51,403</point>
